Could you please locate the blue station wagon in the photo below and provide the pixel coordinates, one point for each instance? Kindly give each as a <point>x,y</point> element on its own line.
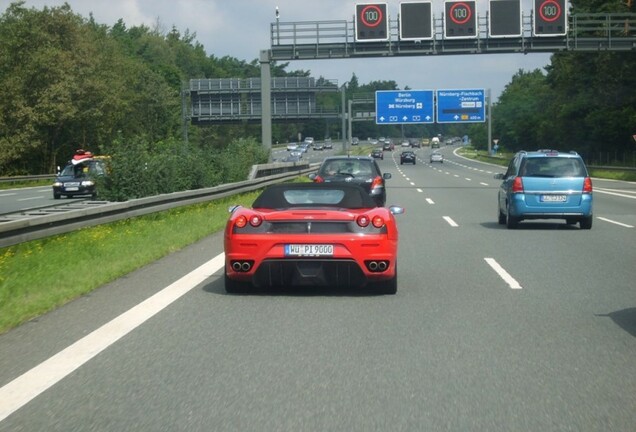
<point>545,184</point>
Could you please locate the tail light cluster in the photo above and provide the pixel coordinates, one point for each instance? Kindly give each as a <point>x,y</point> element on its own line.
<point>376,183</point>
<point>376,221</point>
<point>517,185</point>
<point>587,185</point>
<point>242,221</point>
<point>319,179</point>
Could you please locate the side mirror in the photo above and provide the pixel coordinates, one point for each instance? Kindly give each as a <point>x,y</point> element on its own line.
<point>312,176</point>
<point>386,176</point>
<point>499,176</point>
<point>396,209</point>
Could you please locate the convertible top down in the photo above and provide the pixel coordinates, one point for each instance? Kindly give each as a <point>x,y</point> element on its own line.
<point>312,234</point>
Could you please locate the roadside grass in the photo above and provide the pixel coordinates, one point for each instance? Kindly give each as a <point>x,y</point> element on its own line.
<point>41,275</point>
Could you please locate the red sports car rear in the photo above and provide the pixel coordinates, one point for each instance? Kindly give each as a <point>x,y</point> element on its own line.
<point>312,234</point>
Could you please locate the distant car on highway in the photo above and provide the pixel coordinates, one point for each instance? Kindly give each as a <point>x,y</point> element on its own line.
<point>292,146</point>
<point>310,141</point>
<point>80,176</point>
<point>545,184</point>
<point>437,157</point>
<point>378,154</point>
<point>407,156</point>
<point>360,170</point>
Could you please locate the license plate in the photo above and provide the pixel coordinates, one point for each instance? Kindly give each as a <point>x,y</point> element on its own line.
<point>553,198</point>
<point>308,250</point>
<point>72,189</point>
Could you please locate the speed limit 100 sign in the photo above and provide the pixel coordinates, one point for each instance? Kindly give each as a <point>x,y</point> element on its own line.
<point>371,22</point>
<point>460,19</point>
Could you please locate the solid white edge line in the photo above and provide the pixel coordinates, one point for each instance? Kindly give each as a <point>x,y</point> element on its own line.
<point>503,273</point>
<point>450,221</point>
<point>32,383</point>
<point>606,192</point>
<point>614,222</point>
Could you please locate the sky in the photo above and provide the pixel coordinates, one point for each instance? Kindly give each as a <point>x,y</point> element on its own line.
<point>241,29</point>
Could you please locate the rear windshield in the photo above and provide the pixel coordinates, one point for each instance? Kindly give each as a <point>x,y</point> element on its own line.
<point>294,195</point>
<point>552,167</point>
<point>348,166</point>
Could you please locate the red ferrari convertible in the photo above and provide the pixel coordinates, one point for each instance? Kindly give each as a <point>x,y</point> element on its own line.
<point>312,234</point>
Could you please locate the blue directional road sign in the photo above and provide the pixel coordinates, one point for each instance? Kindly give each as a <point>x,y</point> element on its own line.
<point>461,106</point>
<point>404,106</point>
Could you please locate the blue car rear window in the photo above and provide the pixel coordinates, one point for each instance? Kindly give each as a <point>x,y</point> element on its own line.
<point>552,167</point>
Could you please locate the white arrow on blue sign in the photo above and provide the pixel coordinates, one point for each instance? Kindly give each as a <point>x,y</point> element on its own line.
<point>404,106</point>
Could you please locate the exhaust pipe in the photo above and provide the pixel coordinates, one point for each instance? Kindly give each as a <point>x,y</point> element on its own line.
<point>236,266</point>
<point>373,266</point>
<point>382,265</point>
<point>246,266</point>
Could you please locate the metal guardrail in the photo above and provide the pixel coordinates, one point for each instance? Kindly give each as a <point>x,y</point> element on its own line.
<point>27,178</point>
<point>40,223</point>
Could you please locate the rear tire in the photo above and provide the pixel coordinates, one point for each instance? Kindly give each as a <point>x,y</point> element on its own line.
<point>586,223</point>
<point>502,218</point>
<point>388,287</point>
<point>236,287</point>
<point>512,222</point>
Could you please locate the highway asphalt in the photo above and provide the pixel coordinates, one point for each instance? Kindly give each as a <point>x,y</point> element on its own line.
<point>492,329</point>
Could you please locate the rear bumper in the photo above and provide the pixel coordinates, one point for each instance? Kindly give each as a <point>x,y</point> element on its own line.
<point>349,266</point>
<point>519,208</point>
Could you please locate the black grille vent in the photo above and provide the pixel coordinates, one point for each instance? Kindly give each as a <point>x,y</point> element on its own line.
<point>310,227</point>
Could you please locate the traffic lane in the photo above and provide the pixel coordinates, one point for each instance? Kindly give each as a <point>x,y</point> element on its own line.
<point>572,318</point>
<point>412,362</point>
<point>14,200</point>
<point>535,245</point>
<point>293,362</point>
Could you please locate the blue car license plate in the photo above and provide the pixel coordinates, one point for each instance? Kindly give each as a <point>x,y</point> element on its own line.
<point>553,198</point>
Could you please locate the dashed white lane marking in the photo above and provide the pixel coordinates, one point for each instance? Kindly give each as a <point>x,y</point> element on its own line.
<point>450,221</point>
<point>615,222</point>
<point>483,184</point>
<point>32,383</point>
<point>31,198</point>
<point>430,201</point>
<point>503,273</point>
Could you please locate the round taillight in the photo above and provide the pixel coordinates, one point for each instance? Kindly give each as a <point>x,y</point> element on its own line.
<point>378,221</point>
<point>256,220</point>
<point>363,220</point>
<point>240,221</point>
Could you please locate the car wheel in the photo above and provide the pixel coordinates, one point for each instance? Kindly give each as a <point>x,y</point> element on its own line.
<point>502,218</point>
<point>586,223</point>
<point>236,287</point>
<point>512,222</point>
<point>388,287</point>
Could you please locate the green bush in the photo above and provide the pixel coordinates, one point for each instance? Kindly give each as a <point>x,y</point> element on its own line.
<point>138,168</point>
